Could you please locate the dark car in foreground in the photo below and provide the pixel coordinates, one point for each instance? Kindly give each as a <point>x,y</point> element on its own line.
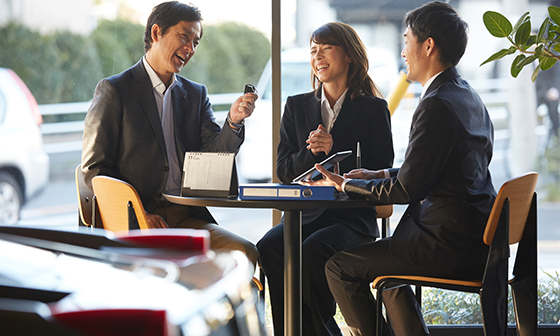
<point>95,283</point>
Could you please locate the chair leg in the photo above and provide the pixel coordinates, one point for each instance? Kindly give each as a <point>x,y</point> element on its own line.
<point>132,220</point>
<point>94,212</point>
<point>384,227</point>
<point>524,286</point>
<point>525,304</point>
<point>493,295</point>
<point>418,294</point>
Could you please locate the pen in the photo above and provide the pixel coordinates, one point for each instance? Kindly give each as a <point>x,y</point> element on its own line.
<point>358,156</point>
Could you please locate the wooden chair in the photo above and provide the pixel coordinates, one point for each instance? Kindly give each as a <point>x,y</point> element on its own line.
<point>118,202</point>
<point>87,204</point>
<point>513,220</point>
<point>384,212</point>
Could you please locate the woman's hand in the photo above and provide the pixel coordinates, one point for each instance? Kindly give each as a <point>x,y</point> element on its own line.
<point>320,140</point>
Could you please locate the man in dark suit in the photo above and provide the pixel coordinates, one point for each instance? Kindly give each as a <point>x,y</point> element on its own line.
<point>444,178</point>
<point>143,120</point>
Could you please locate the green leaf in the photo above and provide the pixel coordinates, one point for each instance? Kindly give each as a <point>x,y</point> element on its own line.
<point>523,33</point>
<point>497,24</point>
<point>551,33</point>
<point>521,20</point>
<point>532,40</point>
<point>538,51</point>
<point>551,40</point>
<point>554,13</point>
<point>515,70</point>
<point>549,44</point>
<point>546,62</point>
<point>526,61</point>
<point>543,29</point>
<point>498,55</point>
<point>535,73</point>
<point>552,29</point>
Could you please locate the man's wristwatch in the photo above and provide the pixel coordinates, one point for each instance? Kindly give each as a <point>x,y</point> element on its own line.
<point>231,123</point>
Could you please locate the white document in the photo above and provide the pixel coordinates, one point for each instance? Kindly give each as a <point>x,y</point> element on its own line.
<point>207,171</point>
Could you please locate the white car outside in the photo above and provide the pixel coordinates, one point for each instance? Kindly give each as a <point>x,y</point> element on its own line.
<point>24,165</point>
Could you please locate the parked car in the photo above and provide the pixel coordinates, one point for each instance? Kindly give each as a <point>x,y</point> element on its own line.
<point>24,166</point>
<point>255,156</point>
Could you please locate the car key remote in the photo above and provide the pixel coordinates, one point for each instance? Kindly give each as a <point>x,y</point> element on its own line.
<point>249,88</point>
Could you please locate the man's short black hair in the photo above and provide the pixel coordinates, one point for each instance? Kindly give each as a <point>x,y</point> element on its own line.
<point>168,14</point>
<point>443,24</point>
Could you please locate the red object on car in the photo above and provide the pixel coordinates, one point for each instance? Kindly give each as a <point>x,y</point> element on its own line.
<point>30,98</point>
<point>116,322</point>
<point>176,239</point>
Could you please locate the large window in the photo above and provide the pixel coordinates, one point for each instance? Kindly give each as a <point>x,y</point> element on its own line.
<point>62,48</point>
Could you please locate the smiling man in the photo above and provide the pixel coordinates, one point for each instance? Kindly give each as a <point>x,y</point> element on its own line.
<point>444,179</point>
<point>143,120</point>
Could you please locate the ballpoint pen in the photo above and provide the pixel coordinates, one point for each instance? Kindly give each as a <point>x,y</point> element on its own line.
<point>358,157</point>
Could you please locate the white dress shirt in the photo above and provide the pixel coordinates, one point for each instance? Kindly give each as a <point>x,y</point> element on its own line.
<point>164,104</point>
<point>329,114</point>
<point>428,83</point>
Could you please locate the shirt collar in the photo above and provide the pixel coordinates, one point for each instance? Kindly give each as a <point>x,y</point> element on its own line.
<point>338,105</point>
<point>157,84</point>
<point>428,83</point>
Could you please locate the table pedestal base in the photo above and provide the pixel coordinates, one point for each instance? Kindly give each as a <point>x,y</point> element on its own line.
<point>292,273</point>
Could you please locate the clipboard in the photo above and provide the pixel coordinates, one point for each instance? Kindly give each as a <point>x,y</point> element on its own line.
<point>208,174</point>
<point>328,163</point>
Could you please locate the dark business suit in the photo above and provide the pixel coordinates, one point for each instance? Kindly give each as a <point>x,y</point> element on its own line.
<point>123,136</point>
<point>445,180</point>
<point>325,231</point>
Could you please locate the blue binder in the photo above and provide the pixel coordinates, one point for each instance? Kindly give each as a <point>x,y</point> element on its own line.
<point>272,191</point>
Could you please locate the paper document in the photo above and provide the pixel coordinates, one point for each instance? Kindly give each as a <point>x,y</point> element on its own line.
<point>207,171</point>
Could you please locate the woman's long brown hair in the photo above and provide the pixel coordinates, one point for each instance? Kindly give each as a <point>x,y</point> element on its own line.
<point>343,35</point>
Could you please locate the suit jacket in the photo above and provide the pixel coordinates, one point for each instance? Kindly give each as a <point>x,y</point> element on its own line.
<point>444,178</point>
<point>364,119</point>
<point>123,137</point>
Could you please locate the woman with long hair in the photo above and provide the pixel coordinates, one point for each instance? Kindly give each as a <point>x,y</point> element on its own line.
<point>344,110</point>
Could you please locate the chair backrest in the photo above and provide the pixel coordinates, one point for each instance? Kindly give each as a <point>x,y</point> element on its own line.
<point>384,211</point>
<point>113,196</point>
<point>85,198</point>
<point>519,190</point>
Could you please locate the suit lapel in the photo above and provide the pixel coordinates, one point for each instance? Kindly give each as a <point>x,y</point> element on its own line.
<point>349,112</point>
<point>312,109</point>
<point>144,89</point>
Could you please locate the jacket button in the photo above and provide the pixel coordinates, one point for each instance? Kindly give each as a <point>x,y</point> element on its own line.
<point>166,168</point>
